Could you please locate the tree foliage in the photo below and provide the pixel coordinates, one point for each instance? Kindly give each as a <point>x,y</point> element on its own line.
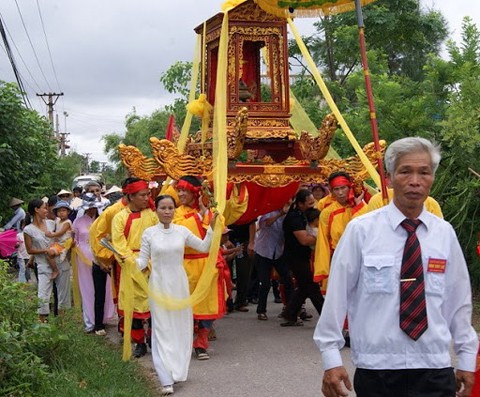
<point>416,93</point>
<point>27,151</point>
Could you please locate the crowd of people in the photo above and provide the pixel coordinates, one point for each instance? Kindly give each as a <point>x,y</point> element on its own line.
<point>151,261</point>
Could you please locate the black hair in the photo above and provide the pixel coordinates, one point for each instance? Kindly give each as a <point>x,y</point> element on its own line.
<point>52,200</point>
<point>311,214</point>
<point>164,196</point>
<point>77,189</point>
<point>193,180</point>
<point>302,196</point>
<point>130,180</point>
<point>339,173</point>
<point>33,205</point>
<point>114,197</point>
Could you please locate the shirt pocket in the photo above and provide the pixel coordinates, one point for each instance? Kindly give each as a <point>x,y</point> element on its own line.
<point>434,283</point>
<point>378,274</point>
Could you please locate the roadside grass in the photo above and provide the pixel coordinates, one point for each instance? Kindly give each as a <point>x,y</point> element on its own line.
<point>89,365</point>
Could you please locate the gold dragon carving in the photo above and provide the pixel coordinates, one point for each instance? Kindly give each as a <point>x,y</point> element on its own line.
<point>138,164</point>
<point>236,137</point>
<point>316,148</point>
<point>175,164</point>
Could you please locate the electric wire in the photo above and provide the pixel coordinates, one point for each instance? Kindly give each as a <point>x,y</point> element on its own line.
<point>48,47</point>
<point>21,75</point>
<point>23,60</point>
<point>11,58</point>
<point>33,48</point>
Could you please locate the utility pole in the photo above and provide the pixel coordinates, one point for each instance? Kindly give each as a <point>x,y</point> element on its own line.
<point>52,100</point>
<point>87,162</point>
<point>63,143</point>
<point>62,137</point>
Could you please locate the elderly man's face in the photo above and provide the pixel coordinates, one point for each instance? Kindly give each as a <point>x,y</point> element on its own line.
<point>411,181</point>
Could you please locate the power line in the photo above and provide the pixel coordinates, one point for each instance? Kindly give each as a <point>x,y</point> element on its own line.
<point>31,45</point>
<point>48,46</point>
<point>21,75</point>
<point>23,60</point>
<point>26,101</point>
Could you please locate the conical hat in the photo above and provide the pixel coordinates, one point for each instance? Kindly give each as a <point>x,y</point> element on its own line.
<point>15,201</point>
<point>113,189</point>
<point>64,192</point>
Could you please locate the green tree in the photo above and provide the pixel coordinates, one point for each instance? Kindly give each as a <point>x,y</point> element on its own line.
<point>27,151</point>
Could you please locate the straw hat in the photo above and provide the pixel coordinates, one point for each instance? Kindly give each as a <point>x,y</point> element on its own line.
<point>64,192</point>
<point>113,189</point>
<point>15,201</point>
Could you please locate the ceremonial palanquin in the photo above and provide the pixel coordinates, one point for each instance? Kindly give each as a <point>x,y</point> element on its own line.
<point>261,146</point>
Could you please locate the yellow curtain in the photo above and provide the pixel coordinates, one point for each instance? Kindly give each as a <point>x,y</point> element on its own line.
<point>307,8</point>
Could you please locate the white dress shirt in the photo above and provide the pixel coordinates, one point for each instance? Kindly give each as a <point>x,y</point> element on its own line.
<point>365,282</point>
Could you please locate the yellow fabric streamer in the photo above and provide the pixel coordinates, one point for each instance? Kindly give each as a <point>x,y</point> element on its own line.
<point>300,121</point>
<point>201,108</point>
<point>126,297</point>
<point>323,88</point>
<point>187,123</point>
<point>77,302</point>
<point>220,185</point>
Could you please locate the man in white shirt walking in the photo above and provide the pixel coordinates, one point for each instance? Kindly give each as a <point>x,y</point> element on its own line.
<point>400,276</point>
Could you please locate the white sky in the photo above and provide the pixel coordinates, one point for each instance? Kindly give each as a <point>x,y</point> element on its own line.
<point>109,54</point>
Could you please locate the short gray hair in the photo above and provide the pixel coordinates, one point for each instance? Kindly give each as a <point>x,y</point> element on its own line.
<point>404,146</point>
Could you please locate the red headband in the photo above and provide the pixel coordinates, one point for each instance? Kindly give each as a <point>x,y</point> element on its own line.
<point>183,184</point>
<point>340,181</point>
<point>135,187</point>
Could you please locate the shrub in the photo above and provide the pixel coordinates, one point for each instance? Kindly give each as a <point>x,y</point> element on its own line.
<point>25,344</point>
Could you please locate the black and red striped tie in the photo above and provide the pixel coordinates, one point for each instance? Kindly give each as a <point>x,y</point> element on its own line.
<point>413,307</point>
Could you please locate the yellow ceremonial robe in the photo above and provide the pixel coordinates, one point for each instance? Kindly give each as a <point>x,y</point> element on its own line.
<point>127,230</point>
<point>213,305</point>
<point>333,221</point>
<point>102,227</point>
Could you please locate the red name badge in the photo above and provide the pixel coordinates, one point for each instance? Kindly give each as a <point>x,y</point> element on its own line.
<point>437,265</point>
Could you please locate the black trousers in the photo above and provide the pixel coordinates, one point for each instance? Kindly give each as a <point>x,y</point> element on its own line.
<point>244,269</point>
<point>405,383</point>
<point>306,288</point>
<point>264,269</point>
<point>99,285</point>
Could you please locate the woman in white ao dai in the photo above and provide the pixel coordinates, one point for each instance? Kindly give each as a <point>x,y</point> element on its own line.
<point>172,330</point>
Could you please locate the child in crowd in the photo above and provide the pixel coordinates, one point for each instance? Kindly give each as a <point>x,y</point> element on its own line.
<point>63,233</point>
<point>313,219</point>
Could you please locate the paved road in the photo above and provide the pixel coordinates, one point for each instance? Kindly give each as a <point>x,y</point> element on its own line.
<point>256,358</point>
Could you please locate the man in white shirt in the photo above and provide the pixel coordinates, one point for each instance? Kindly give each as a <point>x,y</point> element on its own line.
<point>367,283</point>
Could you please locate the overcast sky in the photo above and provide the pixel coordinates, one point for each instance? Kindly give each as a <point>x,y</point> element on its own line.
<point>108,55</point>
